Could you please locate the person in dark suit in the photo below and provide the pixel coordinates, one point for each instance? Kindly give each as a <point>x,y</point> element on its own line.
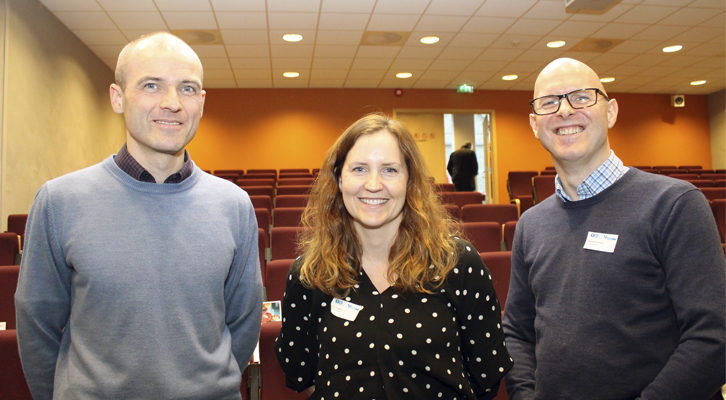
<point>463,168</point>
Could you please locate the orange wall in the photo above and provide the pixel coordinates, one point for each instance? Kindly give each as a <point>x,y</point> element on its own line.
<point>293,128</point>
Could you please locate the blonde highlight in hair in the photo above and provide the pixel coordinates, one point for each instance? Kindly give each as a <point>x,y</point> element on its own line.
<point>423,252</point>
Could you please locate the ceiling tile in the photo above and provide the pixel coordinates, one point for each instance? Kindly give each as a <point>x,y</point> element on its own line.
<point>478,41</point>
<point>458,7</point>
<point>392,22</point>
<point>533,27</point>
<point>250,62</point>
<point>332,51</point>
<point>85,20</point>
<point>248,50</point>
<point>619,31</point>
<point>488,25</point>
<point>93,37</point>
<point>716,22</point>
<point>660,70</point>
<point>401,6</point>
<point>215,62</point>
<point>236,5</point>
<point>449,65</point>
<point>343,21</point>
<point>441,23</point>
<point>358,6</point>
<point>675,3</point>
<point>578,28</point>
<point>505,8</point>
<point>540,55</point>
<point>338,74</point>
<point>210,50</point>
<point>212,74</point>
<point>475,76</point>
<point>460,53</point>
<point>327,83</point>
<point>183,5</point>
<point>548,10</point>
<point>254,83</point>
<point>492,66</point>
<point>289,20</point>
<point>608,58</point>
<point>362,83</point>
<point>371,63</point>
<point>126,5</point>
<point>378,51</point>
<point>252,74</point>
<point>612,13</point>
<point>515,41</point>
<point>646,14</point>
<point>717,4</point>
<point>348,38</point>
<point>190,20</point>
<point>242,20</point>
<point>717,63</point>
<point>444,39</point>
<point>293,6</point>
<point>441,75</point>
<point>688,16</point>
<point>367,74</point>
<point>332,63</point>
<point>137,33</point>
<point>138,20</point>
<point>244,36</point>
<point>277,34</point>
<point>287,63</point>
<point>410,65</point>
<point>291,50</point>
<point>660,32</point>
<point>699,34</point>
<point>71,5</point>
<point>584,56</point>
<point>634,46</point>
<point>220,83</point>
<point>500,54</point>
<point>110,51</point>
<point>419,52</point>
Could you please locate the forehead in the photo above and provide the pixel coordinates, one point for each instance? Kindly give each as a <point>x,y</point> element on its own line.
<point>379,145</point>
<point>163,61</point>
<point>565,80</point>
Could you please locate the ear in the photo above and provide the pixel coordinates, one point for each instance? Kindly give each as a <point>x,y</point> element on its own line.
<point>204,96</point>
<point>612,112</point>
<point>533,124</point>
<point>117,98</point>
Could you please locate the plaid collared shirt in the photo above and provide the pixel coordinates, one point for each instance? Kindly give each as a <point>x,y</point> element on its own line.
<point>607,174</point>
<point>128,164</point>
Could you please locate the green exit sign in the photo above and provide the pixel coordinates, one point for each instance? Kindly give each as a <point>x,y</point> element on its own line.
<point>465,89</point>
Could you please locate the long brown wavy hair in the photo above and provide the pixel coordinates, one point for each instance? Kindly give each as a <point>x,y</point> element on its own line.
<point>423,252</point>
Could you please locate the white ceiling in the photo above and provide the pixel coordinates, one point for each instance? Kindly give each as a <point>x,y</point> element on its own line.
<point>481,40</point>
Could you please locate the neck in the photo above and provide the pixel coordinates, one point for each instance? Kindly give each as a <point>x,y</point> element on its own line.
<point>159,165</point>
<point>573,173</point>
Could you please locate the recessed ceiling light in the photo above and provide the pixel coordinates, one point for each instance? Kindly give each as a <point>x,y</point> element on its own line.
<point>291,74</point>
<point>696,83</point>
<point>672,49</point>
<point>292,37</point>
<point>607,79</point>
<point>404,75</point>
<point>510,77</point>
<point>429,39</point>
<point>555,44</point>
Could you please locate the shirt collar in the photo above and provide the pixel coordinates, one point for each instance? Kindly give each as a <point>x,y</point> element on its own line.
<point>128,164</point>
<point>607,174</point>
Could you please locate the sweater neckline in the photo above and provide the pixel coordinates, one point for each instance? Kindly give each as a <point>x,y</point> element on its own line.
<point>614,188</point>
<point>151,187</point>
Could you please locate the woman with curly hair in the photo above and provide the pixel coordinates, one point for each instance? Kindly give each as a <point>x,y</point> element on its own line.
<point>386,301</point>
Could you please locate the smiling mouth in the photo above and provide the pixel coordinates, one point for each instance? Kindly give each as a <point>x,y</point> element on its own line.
<point>167,122</point>
<point>568,130</point>
<point>373,202</point>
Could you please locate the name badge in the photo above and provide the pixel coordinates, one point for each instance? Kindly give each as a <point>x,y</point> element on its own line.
<point>345,309</point>
<point>604,242</point>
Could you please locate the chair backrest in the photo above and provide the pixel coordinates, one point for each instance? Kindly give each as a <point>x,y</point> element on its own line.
<point>713,193</point>
<point>264,220</point>
<point>445,187</point>
<point>485,236</point>
<point>9,248</point>
<point>238,172</point>
<point>699,183</point>
<point>293,170</point>
<point>668,172</point>
<point>256,182</point>
<point>257,190</point>
<point>713,176</point>
<point>295,175</point>
<point>684,176</point>
<point>461,198</point>
<point>519,183</point>
<point>508,233</point>
<point>12,379</point>
<point>662,167</point>
<point>276,278</point>
<point>262,171</point>
<point>16,224</point>
<point>262,202</point>
<point>548,172</point>
<point>500,265</point>
<point>273,385</point>
<point>690,167</point>
<point>291,200</point>
<point>552,168</point>
<point>283,242</point>
<point>8,285</point>
<point>543,187</point>
<point>262,239</point>
<point>294,189</point>
<point>288,216</point>
<point>718,206</point>
<point>499,213</point>
<point>295,181</point>
<point>229,177</point>
<point>719,183</point>
<point>454,211</point>
<point>260,175</point>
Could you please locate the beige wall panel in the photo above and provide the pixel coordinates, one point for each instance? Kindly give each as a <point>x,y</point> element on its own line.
<point>717,120</point>
<point>428,129</point>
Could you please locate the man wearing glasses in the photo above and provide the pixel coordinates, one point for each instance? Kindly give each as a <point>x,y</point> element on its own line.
<point>617,286</point>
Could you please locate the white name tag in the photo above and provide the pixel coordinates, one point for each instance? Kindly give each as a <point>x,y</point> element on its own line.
<point>604,242</point>
<point>345,309</point>
<point>3,325</point>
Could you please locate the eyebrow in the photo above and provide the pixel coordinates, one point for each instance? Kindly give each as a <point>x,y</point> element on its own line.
<point>157,79</point>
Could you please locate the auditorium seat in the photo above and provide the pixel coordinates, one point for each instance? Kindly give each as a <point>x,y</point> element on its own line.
<point>293,170</point>
<point>273,385</point>
<point>714,176</point>
<point>295,175</point>
<point>642,167</point>
<point>276,278</point>
<point>16,224</point>
<point>238,172</point>
<point>262,240</point>
<point>454,211</point>
<point>719,183</point>
<point>662,167</point>
<point>260,175</point>
<point>12,380</point>
<point>718,206</point>
<point>283,242</point>
<point>291,200</point>
<point>262,171</point>
<point>256,182</point>
<point>485,236</point>
<point>669,172</point>
<point>8,285</point>
<point>9,248</point>
<point>542,187</point>
<point>461,198</point>
<point>550,168</point>
<point>295,181</point>
<point>500,265</point>
<point>701,183</point>
<point>294,189</point>
<point>445,187</point>
<point>548,172</point>
<point>519,184</point>
<point>262,202</point>
<point>264,219</point>
<point>508,233</point>
<point>257,190</point>
<point>230,177</point>
<point>684,176</point>
<point>499,213</point>
<point>690,167</point>
<point>713,193</point>
<point>288,216</point>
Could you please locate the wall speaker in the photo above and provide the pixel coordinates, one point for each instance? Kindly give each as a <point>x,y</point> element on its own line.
<point>678,100</point>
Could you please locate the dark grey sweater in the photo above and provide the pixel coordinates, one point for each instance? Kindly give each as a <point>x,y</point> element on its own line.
<point>646,321</point>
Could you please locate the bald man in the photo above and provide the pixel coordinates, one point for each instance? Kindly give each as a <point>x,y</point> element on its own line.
<point>617,285</point>
<point>140,276</point>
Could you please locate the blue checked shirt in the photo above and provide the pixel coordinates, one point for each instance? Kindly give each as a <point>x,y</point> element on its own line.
<point>607,174</point>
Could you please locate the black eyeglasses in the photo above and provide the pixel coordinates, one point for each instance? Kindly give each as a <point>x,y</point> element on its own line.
<point>581,98</point>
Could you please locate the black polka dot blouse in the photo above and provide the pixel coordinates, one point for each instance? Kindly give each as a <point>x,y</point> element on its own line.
<point>446,345</point>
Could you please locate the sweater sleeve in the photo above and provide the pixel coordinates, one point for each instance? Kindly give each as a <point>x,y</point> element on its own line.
<point>296,346</point>
<point>243,291</point>
<point>519,316</point>
<point>471,290</point>
<point>694,268</point>
<point>42,299</point>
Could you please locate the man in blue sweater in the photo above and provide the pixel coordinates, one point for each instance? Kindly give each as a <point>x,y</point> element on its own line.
<point>617,286</point>
<point>140,275</point>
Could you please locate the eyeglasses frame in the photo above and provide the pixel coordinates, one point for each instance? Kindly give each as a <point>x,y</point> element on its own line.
<point>567,96</point>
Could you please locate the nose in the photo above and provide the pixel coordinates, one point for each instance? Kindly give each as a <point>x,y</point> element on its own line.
<point>565,108</point>
<point>170,101</point>
<point>373,183</point>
